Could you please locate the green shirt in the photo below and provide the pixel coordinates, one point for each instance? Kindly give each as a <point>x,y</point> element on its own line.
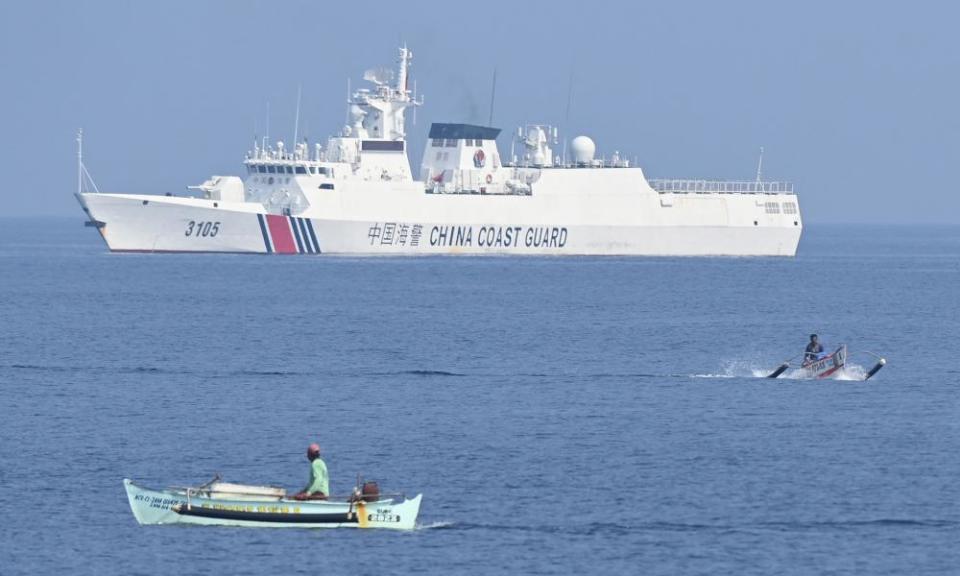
<point>319,480</point>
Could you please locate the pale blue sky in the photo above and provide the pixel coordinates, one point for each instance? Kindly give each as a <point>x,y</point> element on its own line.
<point>856,103</point>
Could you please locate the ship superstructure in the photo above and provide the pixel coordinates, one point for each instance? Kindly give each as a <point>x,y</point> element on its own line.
<point>358,195</point>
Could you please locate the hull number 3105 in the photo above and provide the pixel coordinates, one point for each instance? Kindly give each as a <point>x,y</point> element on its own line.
<point>201,228</point>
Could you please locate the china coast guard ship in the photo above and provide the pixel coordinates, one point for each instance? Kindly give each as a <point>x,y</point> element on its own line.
<point>357,195</point>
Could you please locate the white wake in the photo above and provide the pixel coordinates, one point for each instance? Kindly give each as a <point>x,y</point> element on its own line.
<point>753,369</point>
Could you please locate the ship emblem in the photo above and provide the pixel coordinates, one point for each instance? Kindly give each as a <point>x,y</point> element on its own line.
<point>479,159</point>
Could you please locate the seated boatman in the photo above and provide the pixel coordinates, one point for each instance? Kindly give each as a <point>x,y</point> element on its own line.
<point>813,349</point>
<point>319,486</point>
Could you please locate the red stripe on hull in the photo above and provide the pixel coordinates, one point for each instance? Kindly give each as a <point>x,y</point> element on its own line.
<point>281,235</point>
<point>830,372</point>
<point>144,251</point>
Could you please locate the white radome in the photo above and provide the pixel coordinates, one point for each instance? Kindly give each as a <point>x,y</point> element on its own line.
<point>583,149</point>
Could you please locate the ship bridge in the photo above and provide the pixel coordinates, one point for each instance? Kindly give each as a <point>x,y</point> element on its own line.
<point>464,159</point>
<point>461,146</point>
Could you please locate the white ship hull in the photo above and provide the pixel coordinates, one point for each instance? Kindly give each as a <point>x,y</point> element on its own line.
<point>358,196</point>
<point>698,225</point>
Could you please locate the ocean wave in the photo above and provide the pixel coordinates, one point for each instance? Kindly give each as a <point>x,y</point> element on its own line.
<point>439,525</point>
<point>424,372</point>
<point>620,528</point>
<point>282,373</point>
<point>35,367</point>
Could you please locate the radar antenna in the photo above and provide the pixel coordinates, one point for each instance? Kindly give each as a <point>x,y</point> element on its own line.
<point>493,96</point>
<point>296,120</point>
<point>266,132</point>
<point>346,113</point>
<point>566,117</point>
<point>760,166</point>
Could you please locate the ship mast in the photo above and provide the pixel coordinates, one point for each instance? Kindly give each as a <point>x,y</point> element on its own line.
<point>80,161</point>
<point>405,57</point>
<point>82,174</point>
<point>760,171</point>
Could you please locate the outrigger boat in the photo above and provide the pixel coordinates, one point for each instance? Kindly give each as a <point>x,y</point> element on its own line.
<point>218,503</point>
<point>828,364</point>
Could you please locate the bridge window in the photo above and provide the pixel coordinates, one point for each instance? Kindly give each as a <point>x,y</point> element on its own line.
<point>261,169</point>
<point>450,143</point>
<point>301,170</point>
<point>772,207</point>
<point>272,169</point>
<point>322,171</point>
<point>437,142</point>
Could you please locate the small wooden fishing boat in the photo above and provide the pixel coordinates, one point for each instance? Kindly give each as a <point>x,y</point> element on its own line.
<point>219,503</point>
<point>826,365</point>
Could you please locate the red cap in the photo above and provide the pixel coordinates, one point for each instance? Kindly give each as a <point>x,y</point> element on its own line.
<point>313,450</point>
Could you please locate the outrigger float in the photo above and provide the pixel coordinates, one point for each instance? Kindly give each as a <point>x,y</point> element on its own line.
<point>218,503</point>
<point>828,364</point>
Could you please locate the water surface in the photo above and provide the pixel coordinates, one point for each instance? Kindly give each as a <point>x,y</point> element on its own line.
<point>560,415</point>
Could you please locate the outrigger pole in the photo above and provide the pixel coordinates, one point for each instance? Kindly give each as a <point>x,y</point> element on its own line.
<point>876,368</point>
<point>881,362</point>
<point>781,368</point>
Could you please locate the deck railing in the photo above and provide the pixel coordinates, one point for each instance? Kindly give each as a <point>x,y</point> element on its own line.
<point>665,186</point>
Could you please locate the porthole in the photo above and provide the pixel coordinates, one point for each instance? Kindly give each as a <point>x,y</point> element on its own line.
<point>755,223</point>
<point>270,180</point>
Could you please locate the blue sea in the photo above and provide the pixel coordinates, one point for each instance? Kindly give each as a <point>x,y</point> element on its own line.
<point>559,415</point>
